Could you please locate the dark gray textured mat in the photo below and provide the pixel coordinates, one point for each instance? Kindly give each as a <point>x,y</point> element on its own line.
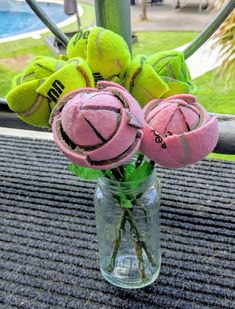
<point>48,246</point>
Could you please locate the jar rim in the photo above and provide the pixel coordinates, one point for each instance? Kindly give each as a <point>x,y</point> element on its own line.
<point>128,185</point>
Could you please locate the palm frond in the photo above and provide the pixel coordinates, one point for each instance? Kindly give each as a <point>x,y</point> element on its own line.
<point>224,38</point>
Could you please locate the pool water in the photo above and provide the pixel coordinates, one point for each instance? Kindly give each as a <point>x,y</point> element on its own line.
<point>18,18</point>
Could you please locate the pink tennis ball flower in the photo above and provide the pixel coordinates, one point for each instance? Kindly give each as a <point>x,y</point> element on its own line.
<point>100,127</point>
<point>179,131</point>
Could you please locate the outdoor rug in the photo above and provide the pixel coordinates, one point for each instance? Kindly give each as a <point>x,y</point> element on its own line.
<point>48,243</point>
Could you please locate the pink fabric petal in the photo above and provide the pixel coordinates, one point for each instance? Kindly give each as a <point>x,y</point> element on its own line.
<point>191,118</point>
<point>165,159</point>
<point>195,134</point>
<point>176,123</point>
<point>161,121</point>
<point>156,151</point>
<point>105,121</point>
<point>129,102</point>
<point>204,116</point>
<point>178,150</point>
<point>77,128</point>
<point>193,146</point>
<point>188,98</point>
<point>153,109</point>
<point>119,161</point>
<point>104,84</point>
<point>75,157</point>
<point>99,100</point>
<point>203,140</point>
<point>119,143</point>
<point>149,146</point>
<point>102,126</point>
<point>151,104</point>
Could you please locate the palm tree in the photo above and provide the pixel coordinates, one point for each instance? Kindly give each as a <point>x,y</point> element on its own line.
<point>225,40</point>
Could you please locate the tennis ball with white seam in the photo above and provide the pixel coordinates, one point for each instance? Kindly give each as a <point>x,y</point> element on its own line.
<point>41,67</point>
<point>172,68</point>
<point>33,100</point>
<point>29,106</point>
<point>16,80</point>
<point>73,75</point>
<point>106,52</point>
<point>143,82</point>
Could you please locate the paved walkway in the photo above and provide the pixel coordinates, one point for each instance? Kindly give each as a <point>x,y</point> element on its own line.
<point>165,18</point>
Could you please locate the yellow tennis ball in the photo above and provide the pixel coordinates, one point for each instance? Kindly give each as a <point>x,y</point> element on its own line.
<point>77,46</point>
<point>34,99</point>
<point>30,106</point>
<point>63,57</point>
<point>172,68</point>
<point>106,52</point>
<point>75,74</point>
<point>16,80</point>
<point>41,67</point>
<point>143,82</point>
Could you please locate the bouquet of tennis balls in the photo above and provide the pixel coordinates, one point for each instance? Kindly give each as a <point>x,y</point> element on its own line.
<point>105,108</point>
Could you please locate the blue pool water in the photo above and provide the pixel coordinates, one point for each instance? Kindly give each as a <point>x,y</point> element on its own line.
<point>17,17</point>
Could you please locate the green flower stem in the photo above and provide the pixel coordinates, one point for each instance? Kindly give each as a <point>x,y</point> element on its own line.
<point>152,164</point>
<point>117,174</point>
<point>139,255</point>
<point>117,242</point>
<point>121,171</point>
<point>139,242</point>
<point>139,160</point>
<point>139,237</point>
<point>148,253</point>
<point>105,174</point>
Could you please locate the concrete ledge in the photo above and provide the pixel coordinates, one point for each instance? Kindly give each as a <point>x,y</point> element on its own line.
<point>26,133</point>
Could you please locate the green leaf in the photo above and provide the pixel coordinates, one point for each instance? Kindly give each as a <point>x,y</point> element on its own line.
<point>129,169</point>
<point>107,173</point>
<point>141,172</point>
<point>125,202</point>
<point>84,172</point>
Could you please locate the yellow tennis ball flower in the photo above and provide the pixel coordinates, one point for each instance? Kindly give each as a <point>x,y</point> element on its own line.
<point>34,99</point>
<point>41,67</point>
<point>29,106</point>
<point>106,52</point>
<point>143,82</point>
<point>159,76</point>
<point>75,74</point>
<point>172,68</point>
<point>16,80</point>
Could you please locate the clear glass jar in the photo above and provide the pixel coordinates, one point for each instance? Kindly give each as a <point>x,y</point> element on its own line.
<point>128,228</point>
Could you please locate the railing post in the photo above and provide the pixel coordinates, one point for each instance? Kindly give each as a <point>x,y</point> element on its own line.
<point>48,22</point>
<point>115,15</point>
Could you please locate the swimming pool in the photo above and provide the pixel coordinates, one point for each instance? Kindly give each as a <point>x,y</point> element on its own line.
<point>17,17</point>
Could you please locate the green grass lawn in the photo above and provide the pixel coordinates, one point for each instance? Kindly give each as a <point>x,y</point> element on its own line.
<point>215,94</point>
<point>149,43</point>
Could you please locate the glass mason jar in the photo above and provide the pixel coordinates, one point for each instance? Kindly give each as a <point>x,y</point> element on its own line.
<point>128,228</point>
